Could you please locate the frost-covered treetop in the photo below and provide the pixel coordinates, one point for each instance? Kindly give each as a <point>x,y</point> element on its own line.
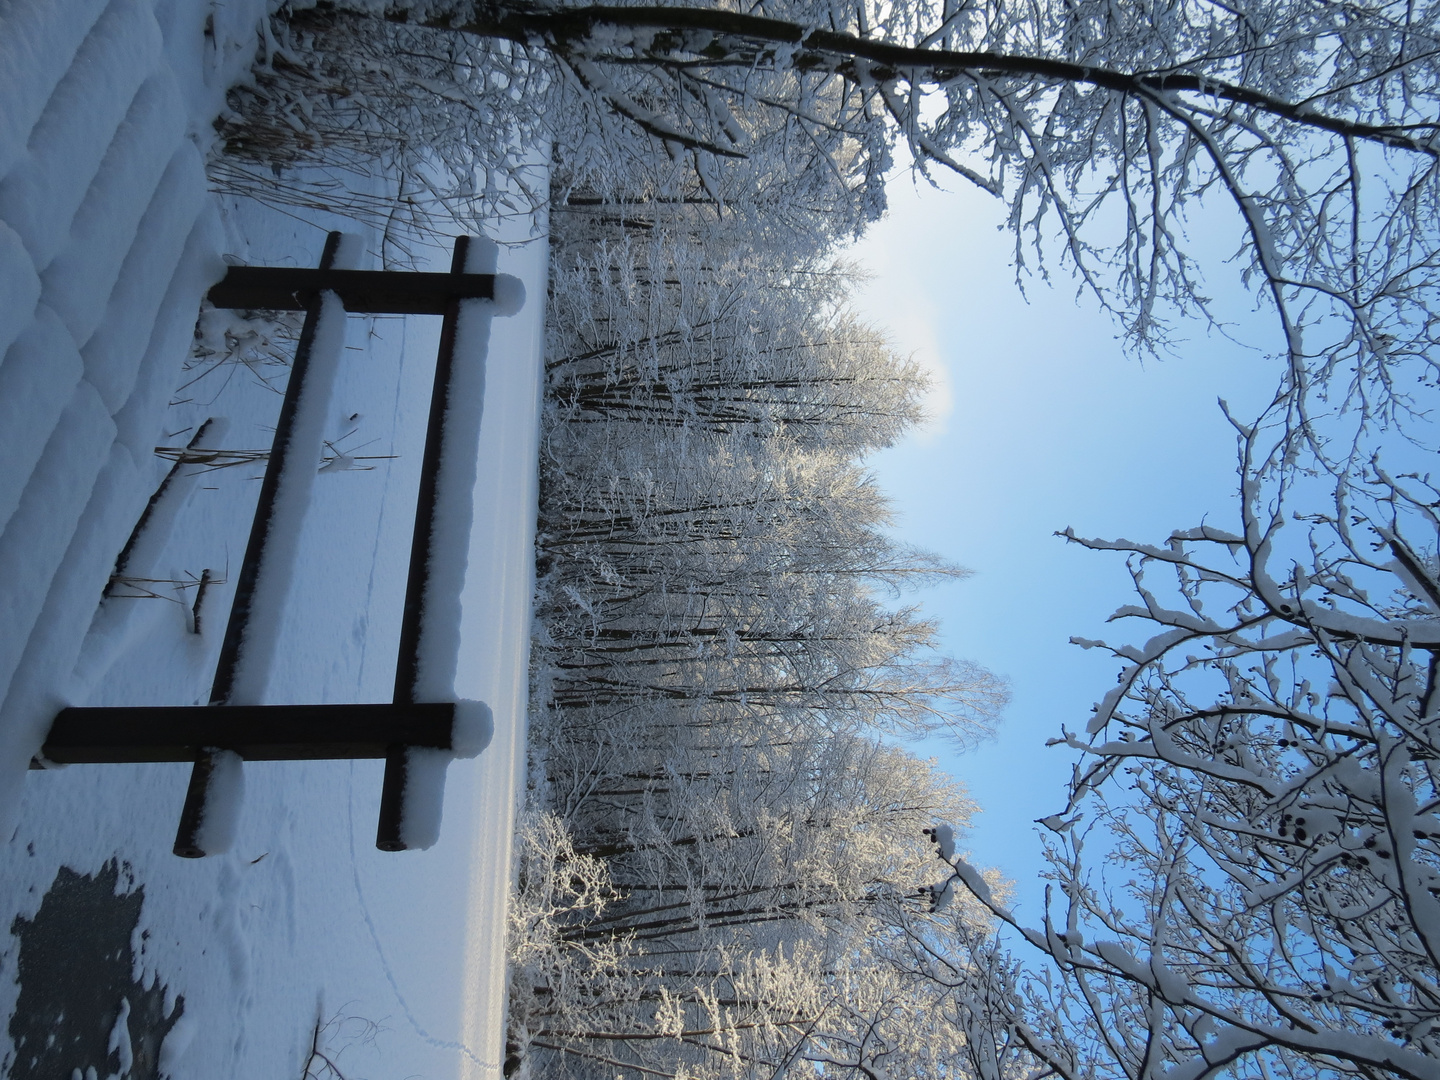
<point>1305,130</point>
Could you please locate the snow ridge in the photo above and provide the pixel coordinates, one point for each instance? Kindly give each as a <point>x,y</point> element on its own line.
<point>107,245</point>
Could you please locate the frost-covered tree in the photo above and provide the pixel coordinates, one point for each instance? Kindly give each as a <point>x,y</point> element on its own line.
<point>415,132</point>
<point>707,539</point>
<point>722,337</point>
<point>744,928</point>
<point>1102,127</point>
<point>717,651</point>
<point>1246,878</point>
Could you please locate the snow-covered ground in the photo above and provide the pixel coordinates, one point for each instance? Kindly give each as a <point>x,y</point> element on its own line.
<point>108,240</point>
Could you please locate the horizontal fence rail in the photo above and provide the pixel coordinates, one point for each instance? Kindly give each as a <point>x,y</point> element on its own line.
<point>255,732</point>
<point>362,292</point>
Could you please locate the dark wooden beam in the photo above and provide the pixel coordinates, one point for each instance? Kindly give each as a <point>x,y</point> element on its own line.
<point>255,732</point>
<point>373,292</point>
<point>227,667</point>
<point>390,832</point>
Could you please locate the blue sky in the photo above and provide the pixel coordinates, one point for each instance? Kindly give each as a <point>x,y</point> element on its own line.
<point>1040,421</point>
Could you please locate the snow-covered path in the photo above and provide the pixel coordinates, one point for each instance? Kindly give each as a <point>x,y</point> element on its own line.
<point>108,240</point>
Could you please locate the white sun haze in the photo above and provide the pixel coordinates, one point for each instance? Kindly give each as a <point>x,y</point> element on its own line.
<point>895,301</point>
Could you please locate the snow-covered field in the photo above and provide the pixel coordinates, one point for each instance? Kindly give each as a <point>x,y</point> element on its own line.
<point>108,240</point>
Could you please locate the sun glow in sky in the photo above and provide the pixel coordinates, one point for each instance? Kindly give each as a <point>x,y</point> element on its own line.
<point>1040,421</point>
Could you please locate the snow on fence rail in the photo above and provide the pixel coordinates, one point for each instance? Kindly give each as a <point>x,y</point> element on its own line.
<point>424,726</point>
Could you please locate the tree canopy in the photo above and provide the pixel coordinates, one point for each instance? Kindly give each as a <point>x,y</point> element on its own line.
<point>1102,126</point>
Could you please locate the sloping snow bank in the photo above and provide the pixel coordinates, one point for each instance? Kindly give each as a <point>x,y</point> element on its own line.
<point>108,240</point>
<point>303,920</point>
